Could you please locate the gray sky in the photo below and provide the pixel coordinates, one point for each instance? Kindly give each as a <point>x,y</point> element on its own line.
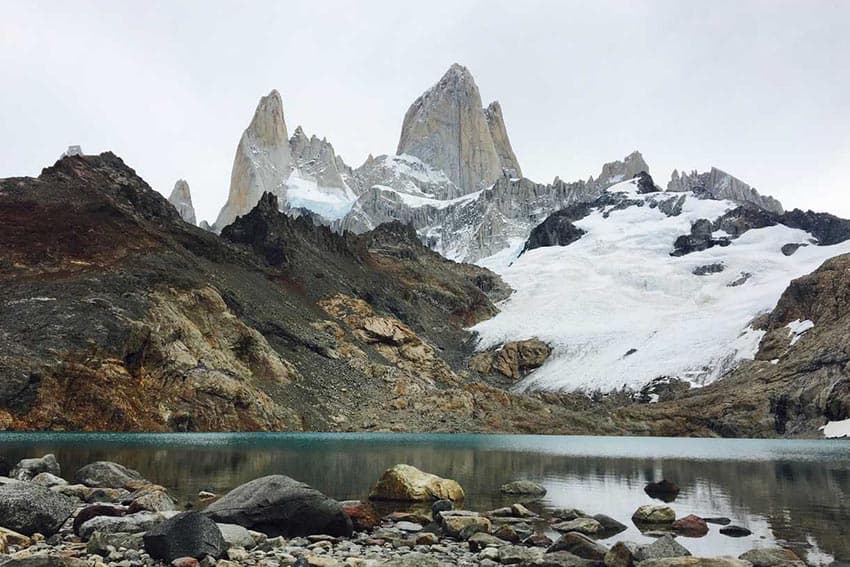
<point>758,88</point>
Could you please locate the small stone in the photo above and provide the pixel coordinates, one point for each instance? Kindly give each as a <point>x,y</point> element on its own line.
<point>537,540</point>
<point>661,548</point>
<point>507,533</point>
<point>718,520</point>
<point>426,538</point>
<point>521,511</point>
<point>622,554</point>
<point>441,506</point>
<point>185,562</point>
<point>482,540</point>
<point>586,526</point>
<point>568,513</point>
<point>408,527</point>
<point>772,557</point>
<point>580,545</point>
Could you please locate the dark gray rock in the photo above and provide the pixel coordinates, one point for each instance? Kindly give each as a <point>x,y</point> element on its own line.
<point>706,269</point>
<point>279,505</point>
<point>441,506</point>
<point>663,490</point>
<point>735,531</point>
<point>699,239</point>
<point>791,247</point>
<point>610,526</point>
<point>27,469</point>
<point>105,474</point>
<point>556,230</point>
<point>645,184</point>
<point>188,534</point>
<point>29,508</point>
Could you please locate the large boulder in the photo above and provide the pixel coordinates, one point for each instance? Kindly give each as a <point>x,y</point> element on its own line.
<point>407,483</point>
<point>458,522</point>
<point>29,508</point>
<point>654,514</point>
<point>278,505</point>
<point>27,469</point>
<point>622,554</point>
<point>663,490</point>
<point>188,534</point>
<point>106,474</point>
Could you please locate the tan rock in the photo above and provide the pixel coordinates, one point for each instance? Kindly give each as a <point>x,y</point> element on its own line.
<point>407,483</point>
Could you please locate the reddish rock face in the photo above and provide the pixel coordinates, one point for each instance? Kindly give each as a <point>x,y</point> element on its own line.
<point>363,515</point>
<point>691,526</point>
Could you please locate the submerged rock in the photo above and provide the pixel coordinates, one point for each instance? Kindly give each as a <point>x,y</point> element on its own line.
<point>523,487</point>
<point>279,505</point>
<point>407,483</point>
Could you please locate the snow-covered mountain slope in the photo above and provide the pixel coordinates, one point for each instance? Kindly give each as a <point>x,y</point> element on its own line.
<point>619,310</point>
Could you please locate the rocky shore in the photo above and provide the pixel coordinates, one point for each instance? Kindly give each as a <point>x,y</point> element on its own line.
<point>110,515</point>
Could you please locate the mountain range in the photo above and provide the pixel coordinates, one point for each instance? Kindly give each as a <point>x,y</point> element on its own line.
<point>432,289</point>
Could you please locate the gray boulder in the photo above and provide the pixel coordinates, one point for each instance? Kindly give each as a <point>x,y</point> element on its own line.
<point>579,545</point>
<point>772,557</point>
<point>236,536</point>
<point>49,480</point>
<point>106,474</point>
<point>188,534</point>
<point>131,524</point>
<point>279,505</point>
<point>99,542</point>
<point>29,508</point>
<point>27,469</point>
<point>662,548</point>
<point>523,487</point>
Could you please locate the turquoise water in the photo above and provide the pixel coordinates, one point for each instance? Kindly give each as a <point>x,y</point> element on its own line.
<point>795,493</point>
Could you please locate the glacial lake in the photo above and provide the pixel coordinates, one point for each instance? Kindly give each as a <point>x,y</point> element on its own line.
<point>795,493</point>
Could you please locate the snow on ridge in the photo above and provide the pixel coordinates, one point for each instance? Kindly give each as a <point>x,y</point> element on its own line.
<point>798,328</point>
<point>617,288</point>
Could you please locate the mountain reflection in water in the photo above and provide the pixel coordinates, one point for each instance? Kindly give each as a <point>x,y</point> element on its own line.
<point>789,492</point>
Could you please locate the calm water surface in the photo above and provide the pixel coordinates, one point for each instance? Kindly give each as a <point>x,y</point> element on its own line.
<point>795,493</point>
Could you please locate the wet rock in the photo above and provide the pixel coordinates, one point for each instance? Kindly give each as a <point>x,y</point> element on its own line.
<point>587,526</point>
<point>188,534</point>
<point>663,490</point>
<point>654,514</point>
<point>279,505</point>
<point>719,520</point>
<point>523,487</point>
<point>106,474</point>
<point>27,469</point>
<point>735,531</point>
<point>407,483</point>
<point>663,547</point>
<point>441,506</point>
<point>610,526</point>
<point>579,545</point>
<point>29,508</point>
<point>691,526</point>
<point>95,510</point>
<point>363,515</point>
<point>568,513</point>
<point>622,554</point>
<point>772,557</point>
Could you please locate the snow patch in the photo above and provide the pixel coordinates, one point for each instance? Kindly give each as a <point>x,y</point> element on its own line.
<point>836,429</point>
<point>618,288</point>
<point>797,329</point>
<point>330,202</point>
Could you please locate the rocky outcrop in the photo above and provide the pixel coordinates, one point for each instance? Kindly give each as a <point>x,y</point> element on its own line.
<point>514,360</point>
<point>262,163</point>
<point>181,198</point>
<point>448,129</point>
<point>316,158</point>
<point>717,184</point>
<point>556,230</point>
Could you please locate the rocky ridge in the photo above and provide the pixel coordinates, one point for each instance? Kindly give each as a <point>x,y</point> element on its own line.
<point>181,198</point>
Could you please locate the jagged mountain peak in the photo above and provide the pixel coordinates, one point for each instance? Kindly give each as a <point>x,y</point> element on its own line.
<point>181,198</point>
<point>269,123</point>
<point>719,184</point>
<point>447,128</point>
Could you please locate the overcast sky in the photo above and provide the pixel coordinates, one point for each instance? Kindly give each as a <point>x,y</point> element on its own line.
<point>759,89</point>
